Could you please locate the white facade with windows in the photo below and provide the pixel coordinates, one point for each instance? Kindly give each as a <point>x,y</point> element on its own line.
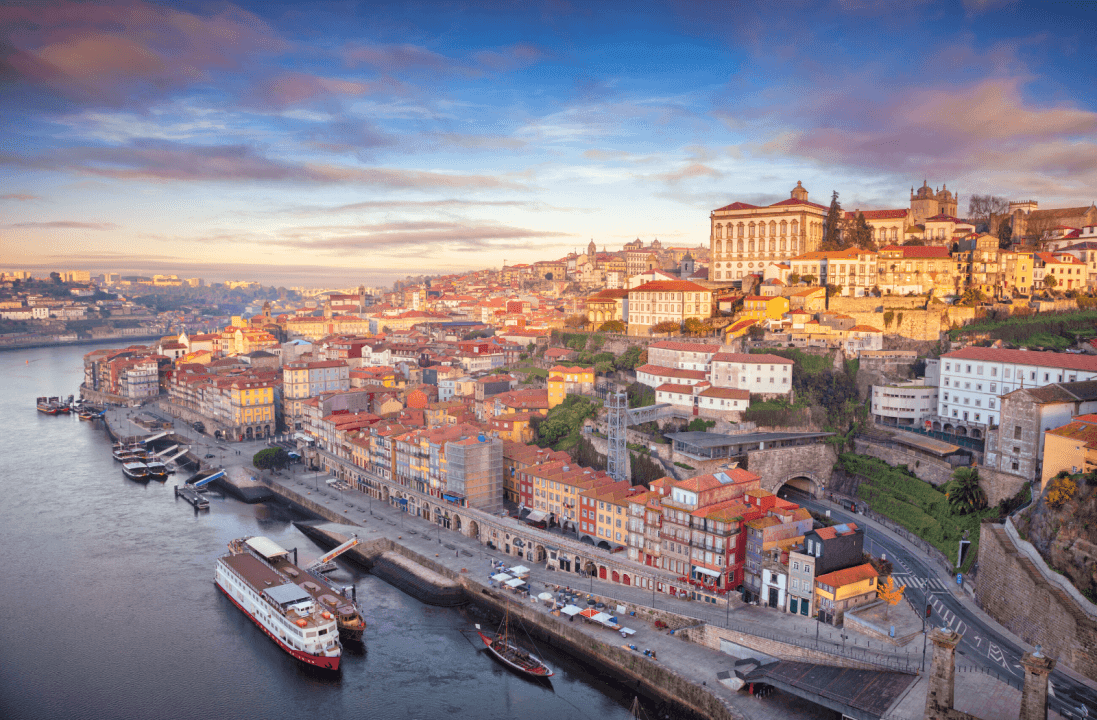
<point>904,404</point>
<point>762,374</point>
<point>974,379</point>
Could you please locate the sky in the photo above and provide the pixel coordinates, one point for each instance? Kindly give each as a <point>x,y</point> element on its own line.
<point>337,143</point>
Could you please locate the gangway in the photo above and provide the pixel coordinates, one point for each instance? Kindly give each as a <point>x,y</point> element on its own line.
<point>324,562</point>
<point>162,453</point>
<point>206,480</point>
<point>179,454</point>
<point>157,436</point>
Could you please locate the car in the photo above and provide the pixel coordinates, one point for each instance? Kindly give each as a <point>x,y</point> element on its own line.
<point>210,455</point>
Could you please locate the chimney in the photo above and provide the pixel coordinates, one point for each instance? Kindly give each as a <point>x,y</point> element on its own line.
<point>1034,695</point>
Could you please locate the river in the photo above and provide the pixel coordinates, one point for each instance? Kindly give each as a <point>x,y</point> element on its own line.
<point>110,610</point>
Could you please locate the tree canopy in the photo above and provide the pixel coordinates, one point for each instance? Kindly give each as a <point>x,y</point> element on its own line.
<point>981,209</point>
<point>964,493</point>
<point>271,459</point>
<point>832,226</point>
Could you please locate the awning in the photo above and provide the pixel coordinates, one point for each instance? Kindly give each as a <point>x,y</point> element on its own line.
<point>589,613</point>
<point>571,610</point>
<point>706,571</point>
<point>502,577</point>
<point>302,436</point>
<point>520,570</point>
<point>516,582</point>
<point>535,516</point>
<point>625,632</point>
<point>545,596</point>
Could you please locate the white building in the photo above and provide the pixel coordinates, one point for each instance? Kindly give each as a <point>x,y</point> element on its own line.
<point>682,355</point>
<point>762,374</point>
<point>309,379</point>
<point>973,380</point>
<point>904,404</point>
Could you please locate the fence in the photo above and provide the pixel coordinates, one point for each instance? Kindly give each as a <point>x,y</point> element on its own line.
<point>1000,677</point>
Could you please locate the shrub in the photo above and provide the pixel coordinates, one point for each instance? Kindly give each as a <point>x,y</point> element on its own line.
<point>1060,490</point>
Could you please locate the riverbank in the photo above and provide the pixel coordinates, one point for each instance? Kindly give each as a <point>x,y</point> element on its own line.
<point>113,340</point>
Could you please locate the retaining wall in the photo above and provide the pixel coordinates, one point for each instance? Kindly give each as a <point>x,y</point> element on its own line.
<point>711,635</point>
<point>1014,581</point>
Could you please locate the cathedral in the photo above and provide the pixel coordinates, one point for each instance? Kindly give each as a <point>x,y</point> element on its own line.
<point>927,203</point>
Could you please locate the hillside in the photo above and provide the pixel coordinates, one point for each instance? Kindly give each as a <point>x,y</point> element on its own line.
<point>1066,535</point>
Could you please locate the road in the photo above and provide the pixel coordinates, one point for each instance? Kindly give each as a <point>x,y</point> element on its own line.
<point>981,644</point>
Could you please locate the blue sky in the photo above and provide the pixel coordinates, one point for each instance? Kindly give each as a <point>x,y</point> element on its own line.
<point>330,143</point>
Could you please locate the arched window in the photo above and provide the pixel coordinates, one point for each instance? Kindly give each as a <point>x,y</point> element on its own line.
<point>795,227</point>
<point>783,241</point>
<point>761,229</point>
<point>772,228</point>
<point>719,246</point>
<point>784,228</point>
<point>895,233</point>
<point>772,245</point>
<point>740,229</point>
<point>740,242</point>
<point>751,247</point>
<point>751,231</point>
<point>719,231</point>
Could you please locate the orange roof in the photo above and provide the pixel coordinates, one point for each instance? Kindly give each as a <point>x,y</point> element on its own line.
<point>671,286</point>
<point>829,533</point>
<point>848,576</point>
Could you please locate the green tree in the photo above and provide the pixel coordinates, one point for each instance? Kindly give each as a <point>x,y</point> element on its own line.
<point>793,278</point>
<point>1005,235</point>
<point>575,321</point>
<point>632,358</point>
<point>644,470</point>
<point>271,459</point>
<point>809,279</point>
<point>832,226</point>
<point>1050,282</point>
<point>964,494</point>
<point>693,326</point>
<point>603,367</point>
<point>613,326</point>
<point>587,456</point>
<point>667,326</point>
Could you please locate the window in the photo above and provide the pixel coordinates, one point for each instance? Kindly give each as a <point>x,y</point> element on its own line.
<point>1016,432</point>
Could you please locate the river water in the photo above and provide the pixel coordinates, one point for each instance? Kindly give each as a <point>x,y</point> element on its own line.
<point>110,611</point>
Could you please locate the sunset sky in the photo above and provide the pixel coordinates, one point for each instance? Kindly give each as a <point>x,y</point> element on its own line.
<point>334,143</point>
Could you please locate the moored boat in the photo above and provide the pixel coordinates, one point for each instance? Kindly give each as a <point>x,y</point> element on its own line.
<point>50,405</point>
<point>157,470</point>
<point>348,615</point>
<point>136,470</point>
<point>507,652</point>
<point>285,611</point>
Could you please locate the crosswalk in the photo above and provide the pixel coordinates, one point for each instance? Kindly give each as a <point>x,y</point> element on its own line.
<point>920,583</point>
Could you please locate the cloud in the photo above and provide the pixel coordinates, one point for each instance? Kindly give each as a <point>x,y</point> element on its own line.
<point>296,88</point>
<point>63,225</point>
<point>407,58</point>
<point>687,172</point>
<point>19,196</point>
<point>426,206</point>
<point>167,161</point>
<point>125,54</point>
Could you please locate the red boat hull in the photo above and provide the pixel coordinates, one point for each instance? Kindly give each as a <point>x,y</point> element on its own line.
<point>326,663</point>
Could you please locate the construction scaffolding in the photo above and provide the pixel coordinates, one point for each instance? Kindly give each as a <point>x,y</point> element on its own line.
<point>617,425</point>
<point>474,473</point>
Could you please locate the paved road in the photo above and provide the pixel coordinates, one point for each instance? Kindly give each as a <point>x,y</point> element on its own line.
<point>983,642</point>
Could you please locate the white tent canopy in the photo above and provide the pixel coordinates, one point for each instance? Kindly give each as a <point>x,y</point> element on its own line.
<point>519,570</point>
<point>571,610</point>
<point>706,571</point>
<point>545,596</point>
<point>516,582</point>
<point>501,577</point>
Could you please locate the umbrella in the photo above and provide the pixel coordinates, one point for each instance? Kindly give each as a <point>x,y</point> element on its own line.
<point>545,596</point>
<point>501,577</point>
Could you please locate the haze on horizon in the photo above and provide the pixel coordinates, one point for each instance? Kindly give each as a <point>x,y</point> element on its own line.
<point>337,143</point>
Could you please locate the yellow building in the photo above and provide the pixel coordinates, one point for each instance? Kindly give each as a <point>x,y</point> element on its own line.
<point>842,590</point>
<point>610,506</point>
<point>251,408</point>
<point>738,329</point>
<point>1017,272</point>
<point>563,379</point>
<point>513,427</point>
<point>1072,447</point>
<point>756,307</point>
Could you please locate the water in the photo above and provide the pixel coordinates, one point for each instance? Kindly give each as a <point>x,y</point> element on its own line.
<point>109,608</point>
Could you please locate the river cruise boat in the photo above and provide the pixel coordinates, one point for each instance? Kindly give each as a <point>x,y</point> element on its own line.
<point>286,612</point>
<point>348,616</point>
<point>51,406</point>
<point>136,470</point>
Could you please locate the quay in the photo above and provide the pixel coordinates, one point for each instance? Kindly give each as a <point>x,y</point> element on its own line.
<point>191,495</point>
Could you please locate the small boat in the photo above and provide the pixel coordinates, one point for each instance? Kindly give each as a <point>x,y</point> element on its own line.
<point>136,470</point>
<point>50,405</point>
<point>502,647</point>
<point>157,470</point>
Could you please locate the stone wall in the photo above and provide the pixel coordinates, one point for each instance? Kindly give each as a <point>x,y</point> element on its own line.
<point>926,467</point>
<point>1011,585</point>
<point>778,465</point>
<point>999,485</point>
<point>711,635</point>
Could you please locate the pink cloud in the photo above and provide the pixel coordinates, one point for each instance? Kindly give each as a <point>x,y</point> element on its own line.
<point>294,88</point>
<point>112,54</point>
<point>64,225</point>
<point>166,161</point>
<point>19,196</point>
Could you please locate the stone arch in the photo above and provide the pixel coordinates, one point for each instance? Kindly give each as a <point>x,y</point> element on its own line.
<point>615,576</point>
<point>948,428</point>
<point>800,483</point>
<point>586,539</point>
<point>601,572</point>
<point>937,426</point>
<point>604,545</point>
<point>474,529</point>
<point>961,431</point>
<point>385,493</point>
<point>625,579</point>
<point>247,433</point>
<point>590,568</point>
<point>457,523</point>
<point>975,433</point>
<point>539,553</point>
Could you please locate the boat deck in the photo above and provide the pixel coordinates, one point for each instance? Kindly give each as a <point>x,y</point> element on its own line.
<point>323,592</point>
<point>261,577</point>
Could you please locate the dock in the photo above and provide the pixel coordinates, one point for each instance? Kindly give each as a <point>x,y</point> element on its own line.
<point>191,495</point>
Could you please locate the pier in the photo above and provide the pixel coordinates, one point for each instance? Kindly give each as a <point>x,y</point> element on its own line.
<point>191,495</point>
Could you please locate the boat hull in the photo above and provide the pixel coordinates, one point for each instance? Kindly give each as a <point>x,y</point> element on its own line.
<point>537,669</point>
<point>325,663</point>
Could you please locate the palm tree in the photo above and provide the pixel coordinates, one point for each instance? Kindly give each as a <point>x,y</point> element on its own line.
<point>964,494</point>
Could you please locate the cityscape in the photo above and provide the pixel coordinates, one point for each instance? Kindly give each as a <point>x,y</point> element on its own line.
<point>547,361</point>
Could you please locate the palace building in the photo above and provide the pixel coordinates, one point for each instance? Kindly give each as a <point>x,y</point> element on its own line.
<point>745,238</point>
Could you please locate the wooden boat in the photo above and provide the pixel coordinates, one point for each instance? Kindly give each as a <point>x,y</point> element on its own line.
<point>502,647</point>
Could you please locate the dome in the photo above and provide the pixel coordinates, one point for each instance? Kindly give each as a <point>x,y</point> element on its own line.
<point>417,400</point>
